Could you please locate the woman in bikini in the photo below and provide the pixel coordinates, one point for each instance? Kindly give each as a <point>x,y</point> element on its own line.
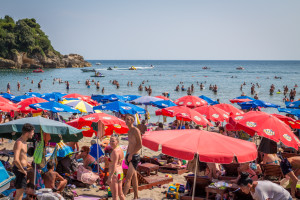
<point>89,161</point>
<point>115,169</point>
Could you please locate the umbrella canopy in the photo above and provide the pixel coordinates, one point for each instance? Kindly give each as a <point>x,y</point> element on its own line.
<point>54,107</point>
<point>211,147</point>
<point>233,111</point>
<point>208,100</point>
<point>6,101</point>
<point>89,124</point>
<point>33,94</point>
<point>190,101</point>
<point>85,98</point>
<point>295,124</point>
<point>295,112</point>
<point>24,106</point>
<point>267,126</point>
<point>20,98</point>
<point>184,113</point>
<point>239,100</point>
<point>146,100</point>
<point>7,96</point>
<point>163,104</point>
<point>257,103</point>
<point>162,97</point>
<point>5,107</point>
<point>121,107</point>
<point>295,104</point>
<point>82,106</point>
<point>52,96</point>
<point>54,128</point>
<point>112,97</point>
<point>213,113</point>
<point>131,97</point>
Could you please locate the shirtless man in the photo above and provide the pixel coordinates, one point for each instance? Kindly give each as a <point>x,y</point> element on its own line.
<point>20,160</point>
<point>132,158</point>
<point>142,127</point>
<point>51,177</point>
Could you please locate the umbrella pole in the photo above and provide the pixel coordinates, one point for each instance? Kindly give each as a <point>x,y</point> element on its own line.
<point>98,155</point>
<point>195,176</point>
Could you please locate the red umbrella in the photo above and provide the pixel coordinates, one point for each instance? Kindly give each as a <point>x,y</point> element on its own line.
<point>239,100</point>
<point>190,101</point>
<point>185,114</point>
<point>110,122</point>
<point>295,124</point>
<point>5,107</point>
<point>23,106</point>
<point>3,100</point>
<point>162,97</point>
<point>229,108</point>
<point>158,112</point>
<point>85,98</point>
<point>213,113</point>
<point>211,147</point>
<point>267,126</point>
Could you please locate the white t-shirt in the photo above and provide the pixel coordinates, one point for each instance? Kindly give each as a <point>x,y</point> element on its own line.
<point>268,190</point>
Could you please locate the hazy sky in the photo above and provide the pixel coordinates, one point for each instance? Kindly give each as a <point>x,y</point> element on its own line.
<point>167,29</point>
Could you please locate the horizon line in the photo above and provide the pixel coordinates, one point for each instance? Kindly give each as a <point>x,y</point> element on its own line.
<point>183,60</point>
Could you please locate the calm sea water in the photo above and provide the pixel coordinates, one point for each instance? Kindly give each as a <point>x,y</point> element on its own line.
<point>164,77</point>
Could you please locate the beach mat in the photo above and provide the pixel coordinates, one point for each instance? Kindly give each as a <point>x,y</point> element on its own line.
<point>87,198</point>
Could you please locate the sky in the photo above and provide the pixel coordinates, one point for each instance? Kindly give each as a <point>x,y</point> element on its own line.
<point>167,29</point>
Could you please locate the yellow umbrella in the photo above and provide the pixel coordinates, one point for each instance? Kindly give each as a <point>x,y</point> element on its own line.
<point>82,106</point>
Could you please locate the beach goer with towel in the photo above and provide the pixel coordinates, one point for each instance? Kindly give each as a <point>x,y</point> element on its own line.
<point>132,158</point>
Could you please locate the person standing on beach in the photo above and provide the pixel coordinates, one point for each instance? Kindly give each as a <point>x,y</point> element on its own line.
<point>132,158</point>
<point>20,160</point>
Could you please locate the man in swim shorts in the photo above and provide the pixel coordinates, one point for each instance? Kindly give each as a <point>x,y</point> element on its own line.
<point>20,160</point>
<point>132,158</point>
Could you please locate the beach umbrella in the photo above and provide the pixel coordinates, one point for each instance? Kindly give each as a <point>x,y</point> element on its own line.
<point>89,124</point>
<point>121,107</point>
<point>208,100</point>
<point>162,97</point>
<point>190,101</point>
<point>77,96</point>
<point>266,125</point>
<point>20,98</point>
<point>113,97</point>
<point>5,107</point>
<point>241,99</point>
<point>158,112</point>
<point>294,104</point>
<point>7,96</point>
<point>6,101</point>
<point>206,146</point>
<point>54,107</point>
<point>184,113</point>
<point>295,112</point>
<point>163,104</point>
<point>295,124</point>
<point>57,130</point>
<point>33,94</point>
<point>82,106</point>
<point>131,97</point>
<point>146,100</point>
<point>213,113</point>
<point>257,103</point>
<point>233,111</point>
<point>52,96</point>
<point>24,106</point>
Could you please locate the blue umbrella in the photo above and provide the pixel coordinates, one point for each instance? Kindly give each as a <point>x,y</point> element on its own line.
<point>33,94</point>
<point>131,97</point>
<point>208,100</point>
<point>112,97</point>
<point>295,112</point>
<point>295,104</point>
<point>146,100</point>
<point>121,107</point>
<point>52,96</point>
<point>163,104</point>
<point>54,107</point>
<point>244,97</point>
<point>97,97</point>
<point>257,103</point>
<point>20,98</point>
<point>7,96</point>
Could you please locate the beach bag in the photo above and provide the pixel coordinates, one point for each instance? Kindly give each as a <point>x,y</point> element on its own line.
<point>86,176</point>
<point>63,150</point>
<point>39,151</point>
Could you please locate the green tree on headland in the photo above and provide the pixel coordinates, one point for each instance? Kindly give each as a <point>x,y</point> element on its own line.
<point>25,35</point>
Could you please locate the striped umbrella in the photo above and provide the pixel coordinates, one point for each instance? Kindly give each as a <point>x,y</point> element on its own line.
<point>82,106</point>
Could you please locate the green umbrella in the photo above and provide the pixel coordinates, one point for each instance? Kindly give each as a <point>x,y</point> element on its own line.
<point>57,130</point>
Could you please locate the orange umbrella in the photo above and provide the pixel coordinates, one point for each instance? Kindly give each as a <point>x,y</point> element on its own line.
<point>213,113</point>
<point>23,106</point>
<point>190,101</point>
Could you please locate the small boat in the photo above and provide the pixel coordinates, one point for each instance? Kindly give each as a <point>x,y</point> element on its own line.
<point>109,68</point>
<point>205,67</point>
<point>98,63</point>
<point>88,70</point>
<point>132,68</point>
<point>39,70</point>
<point>240,68</point>
<point>98,74</point>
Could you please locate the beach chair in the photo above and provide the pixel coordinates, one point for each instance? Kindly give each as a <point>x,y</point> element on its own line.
<point>272,173</point>
<point>288,155</point>
<point>172,170</point>
<point>231,170</point>
<point>201,184</point>
<point>155,161</point>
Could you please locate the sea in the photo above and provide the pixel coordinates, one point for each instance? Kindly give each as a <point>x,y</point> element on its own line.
<point>164,77</point>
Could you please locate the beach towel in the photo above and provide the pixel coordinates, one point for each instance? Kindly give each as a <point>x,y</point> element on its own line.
<point>39,181</point>
<point>86,176</point>
<point>39,150</point>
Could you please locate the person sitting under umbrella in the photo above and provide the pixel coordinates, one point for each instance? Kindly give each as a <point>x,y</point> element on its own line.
<point>52,177</point>
<point>89,161</point>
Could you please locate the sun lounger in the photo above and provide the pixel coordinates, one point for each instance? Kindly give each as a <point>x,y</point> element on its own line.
<point>288,155</point>
<point>147,168</point>
<point>153,161</point>
<point>272,173</point>
<point>172,170</point>
<point>201,183</point>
